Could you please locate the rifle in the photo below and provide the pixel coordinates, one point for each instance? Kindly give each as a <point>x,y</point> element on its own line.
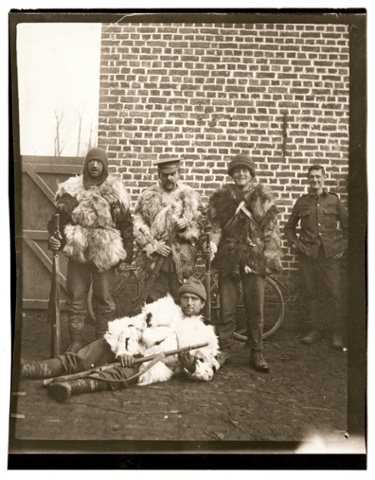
<point>54,304</point>
<point>157,268</point>
<point>207,281</point>
<point>103,368</point>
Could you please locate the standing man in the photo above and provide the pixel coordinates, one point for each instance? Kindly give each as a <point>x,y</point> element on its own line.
<point>97,234</point>
<point>320,245</point>
<point>167,223</point>
<point>242,220</point>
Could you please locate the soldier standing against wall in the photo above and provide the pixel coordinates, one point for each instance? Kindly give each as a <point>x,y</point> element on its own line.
<point>320,245</point>
<point>242,220</point>
<point>167,223</point>
<point>97,233</point>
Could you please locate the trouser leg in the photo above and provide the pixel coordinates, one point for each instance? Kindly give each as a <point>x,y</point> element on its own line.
<point>226,325</point>
<point>104,304</point>
<point>78,284</point>
<point>92,355</point>
<point>330,282</point>
<point>253,293</point>
<point>111,379</point>
<point>95,354</point>
<point>166,282</point>
<point>310,279</point>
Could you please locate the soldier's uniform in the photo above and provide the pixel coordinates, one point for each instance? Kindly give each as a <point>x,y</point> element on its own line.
<point>319,240</point>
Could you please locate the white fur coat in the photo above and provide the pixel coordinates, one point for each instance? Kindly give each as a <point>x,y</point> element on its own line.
<point>161,326</point>
<point>91,234</point>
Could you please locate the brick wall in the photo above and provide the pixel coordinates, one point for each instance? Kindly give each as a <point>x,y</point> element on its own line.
<point>279,92</point>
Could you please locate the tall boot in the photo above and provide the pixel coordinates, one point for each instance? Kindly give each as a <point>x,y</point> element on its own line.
<point>61,391</point>
<point>76,327</point>
<point>46,369</point>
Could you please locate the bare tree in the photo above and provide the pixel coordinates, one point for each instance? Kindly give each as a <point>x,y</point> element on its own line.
<point>90,135</point>
<point>59,143</point>
<point>79,133</point>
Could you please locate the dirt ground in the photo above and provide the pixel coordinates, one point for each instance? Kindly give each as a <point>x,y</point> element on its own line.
<point>303,398</point>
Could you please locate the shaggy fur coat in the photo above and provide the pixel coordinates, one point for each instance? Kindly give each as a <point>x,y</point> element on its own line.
<point>242,241</point>
<point>95,221</point>
<point>155,216</point>
<point>161,326</point>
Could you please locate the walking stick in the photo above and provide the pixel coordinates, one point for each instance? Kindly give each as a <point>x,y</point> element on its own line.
<point>103,368</point>
<point>207,280</point>
<point>54,304</point>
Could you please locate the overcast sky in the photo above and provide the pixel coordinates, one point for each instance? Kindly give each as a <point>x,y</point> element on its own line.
<point>58,74</point>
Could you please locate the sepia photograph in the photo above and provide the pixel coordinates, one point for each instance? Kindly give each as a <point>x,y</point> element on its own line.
<point>188,202</point>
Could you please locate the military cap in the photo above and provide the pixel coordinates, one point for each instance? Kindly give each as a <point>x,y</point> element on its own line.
<point>168,165</point>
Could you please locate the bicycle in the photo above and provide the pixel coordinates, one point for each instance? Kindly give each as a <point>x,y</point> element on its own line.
<point>128,298</point>
<point>274,308</point>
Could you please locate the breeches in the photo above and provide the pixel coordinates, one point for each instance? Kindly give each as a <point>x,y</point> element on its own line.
<point>79,278</point>
<point>253,287</point>
<point>97,354</point>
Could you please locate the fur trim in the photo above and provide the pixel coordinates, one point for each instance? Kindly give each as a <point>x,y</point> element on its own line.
<point>124,335</point>
<point>112,190</point>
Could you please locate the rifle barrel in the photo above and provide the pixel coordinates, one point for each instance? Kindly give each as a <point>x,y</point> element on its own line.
<point>103,368</point>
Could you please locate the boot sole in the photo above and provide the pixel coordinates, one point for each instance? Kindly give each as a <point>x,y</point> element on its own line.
<point>59,392</point>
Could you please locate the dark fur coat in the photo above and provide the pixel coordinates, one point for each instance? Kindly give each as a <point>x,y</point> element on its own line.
<point>242,241</point>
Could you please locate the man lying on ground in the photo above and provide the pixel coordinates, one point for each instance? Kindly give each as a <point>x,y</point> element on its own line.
<point>160,326</point>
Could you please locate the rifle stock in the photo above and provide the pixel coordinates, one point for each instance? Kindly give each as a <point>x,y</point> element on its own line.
<point>207,282</point>
<point>103,368</point>
<point>54,306</point>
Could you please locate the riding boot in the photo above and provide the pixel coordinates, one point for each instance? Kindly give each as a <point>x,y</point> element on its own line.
<point>46,369</point>
<point>76,327</point>
<point>61,391</point>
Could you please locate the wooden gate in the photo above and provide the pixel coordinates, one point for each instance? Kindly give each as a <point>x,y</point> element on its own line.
<point>40,178</point>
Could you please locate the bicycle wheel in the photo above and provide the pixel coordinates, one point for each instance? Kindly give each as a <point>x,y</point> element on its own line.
<point>273,311</point>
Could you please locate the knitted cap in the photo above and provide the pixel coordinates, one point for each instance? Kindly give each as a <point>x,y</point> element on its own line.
<point>99,154</point>
<point>242,160</point>
<point>195,286</point>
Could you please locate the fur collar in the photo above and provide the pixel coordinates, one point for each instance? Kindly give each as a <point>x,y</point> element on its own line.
<point>112,189</point>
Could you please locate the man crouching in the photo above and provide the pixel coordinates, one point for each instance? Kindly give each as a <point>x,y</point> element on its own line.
<point>160,326</point>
